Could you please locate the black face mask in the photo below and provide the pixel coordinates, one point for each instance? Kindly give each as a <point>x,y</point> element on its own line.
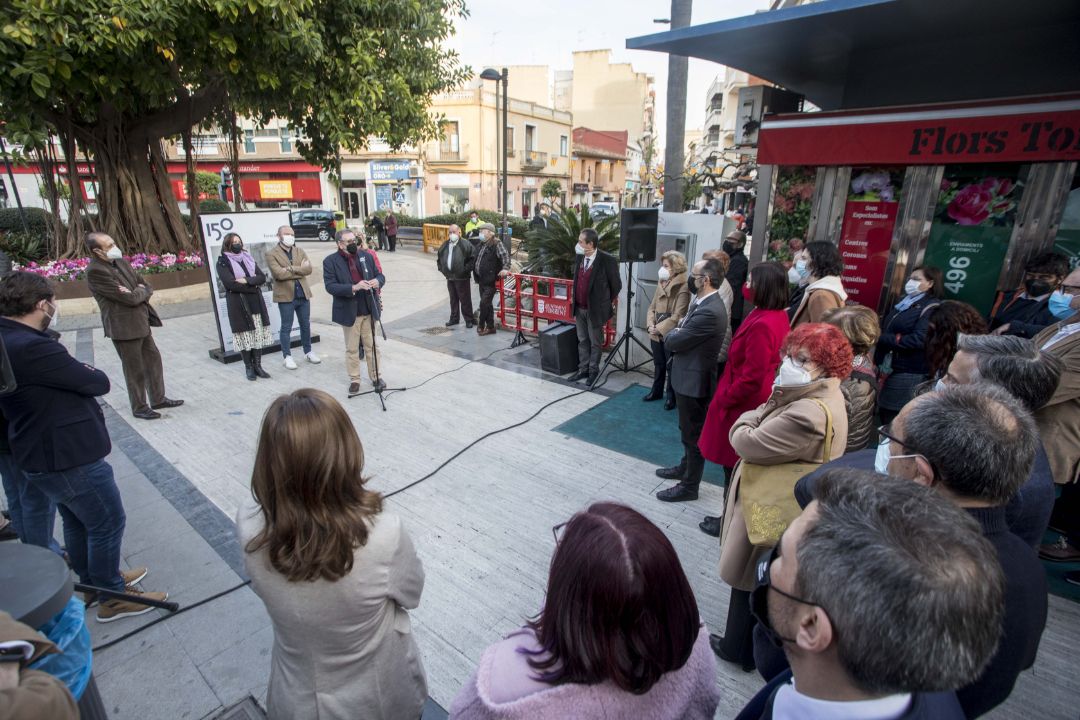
<point>351,248</point>
<point>236,248</point>
<point>759,599</point>
<point>1037,288</point>
<point>729,248</point>
<point>691,284</point>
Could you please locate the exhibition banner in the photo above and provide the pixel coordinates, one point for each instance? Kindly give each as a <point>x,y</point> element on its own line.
<point>865,240</point>
<point>258,230</point>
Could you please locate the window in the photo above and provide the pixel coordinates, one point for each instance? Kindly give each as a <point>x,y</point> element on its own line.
<point>449,144</point>
<point>266,132</point>
<point>530,138</point>
<point>286,142</point>
<point>510,141</point>
<point>564,146</point>
<point>249,141</point>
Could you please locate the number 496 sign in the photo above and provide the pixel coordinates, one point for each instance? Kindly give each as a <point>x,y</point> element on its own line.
<point>970,258</point>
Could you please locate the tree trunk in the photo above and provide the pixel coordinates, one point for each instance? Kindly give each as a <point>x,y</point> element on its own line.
<point>234,161</point>
<point>192,184</point>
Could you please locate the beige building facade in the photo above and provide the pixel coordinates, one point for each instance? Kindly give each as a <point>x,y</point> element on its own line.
<point>461,170</point>
<point>608,95</point>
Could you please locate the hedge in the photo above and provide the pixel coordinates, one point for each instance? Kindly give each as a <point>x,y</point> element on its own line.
<point>518,226</point>
<point>37,220</point>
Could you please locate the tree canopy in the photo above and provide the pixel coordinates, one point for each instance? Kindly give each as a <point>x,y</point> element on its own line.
<point>117,77</point>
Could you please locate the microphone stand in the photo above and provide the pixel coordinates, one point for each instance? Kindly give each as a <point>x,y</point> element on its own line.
<point>379,386</point>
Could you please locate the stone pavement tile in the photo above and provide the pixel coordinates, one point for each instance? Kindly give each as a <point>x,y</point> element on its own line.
<point>161,682</point>
<point>186,567</point>
<point>109,658</point>
<point>150,524</point>
<point>135,490</point>
<point>220,624</point>
<point>242,669</point>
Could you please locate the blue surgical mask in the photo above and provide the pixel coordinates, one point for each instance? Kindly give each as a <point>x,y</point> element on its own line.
<point>1060,303</point>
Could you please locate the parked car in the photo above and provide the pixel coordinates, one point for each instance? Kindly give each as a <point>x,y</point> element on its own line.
<point>604,209</point>
<point>314,223</point>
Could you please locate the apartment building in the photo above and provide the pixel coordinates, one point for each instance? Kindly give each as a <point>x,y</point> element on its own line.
<point>599,166</point>
<point>461,170</point>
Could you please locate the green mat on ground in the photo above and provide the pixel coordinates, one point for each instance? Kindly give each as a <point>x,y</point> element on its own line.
<point>644,430</point>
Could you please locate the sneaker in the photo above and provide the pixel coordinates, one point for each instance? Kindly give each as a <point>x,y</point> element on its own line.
<point>133,576</point>
<point>110,610</point>
<point>289,363</point>
<point>313,358</point>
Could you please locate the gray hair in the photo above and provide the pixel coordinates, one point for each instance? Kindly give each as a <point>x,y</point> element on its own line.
<point>914,592</point>
<point>284,227</point>
<point>979,439</point>
<point>340,234</point>
<point>1016,364</point>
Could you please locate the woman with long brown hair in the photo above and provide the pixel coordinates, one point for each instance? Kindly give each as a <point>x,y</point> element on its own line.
<point>335,572</point>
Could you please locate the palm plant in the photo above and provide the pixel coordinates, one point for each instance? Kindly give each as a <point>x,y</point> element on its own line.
<point>551,249</point>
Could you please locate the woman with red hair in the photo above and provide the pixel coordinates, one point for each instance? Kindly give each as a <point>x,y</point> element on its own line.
<point>789,427</point>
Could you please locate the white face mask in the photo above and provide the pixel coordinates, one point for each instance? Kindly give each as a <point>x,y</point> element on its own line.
<point>940,385</point>
<point>793,276</point>
<point>664,274</point>
<point>54,317</point>
<point>883,458</point>
<point>579,250</point>
<point>288,240</point>
<point>911,287</point>
<point>453,237</point>
<point>114,253</point>
<point>792,374</point>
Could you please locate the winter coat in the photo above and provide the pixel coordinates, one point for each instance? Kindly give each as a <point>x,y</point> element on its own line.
<point>38,695</point>
<point>820,296</point>
<point>490,261</point>
<point>729,302</point>
<point>673,298</point>
<point>460,265</point>
<point>604,286</point>
<point>1059,419</point>
<point>1026,317</point>
<point>390,225</point>
<point>746,382</point>
<point>904,335</point>
<point>789,427</point>
<point>343,649</point>
<point>860,399</point>
<point>738,269</point>
<point>125,316</point>
<point>243,299</point>
<point>503,688</point>
<point>287,272</point>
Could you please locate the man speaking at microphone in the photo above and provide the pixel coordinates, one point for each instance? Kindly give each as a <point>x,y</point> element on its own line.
<point>351,277</point>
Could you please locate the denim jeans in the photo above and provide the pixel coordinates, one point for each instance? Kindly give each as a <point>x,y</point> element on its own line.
<point>33,515</point>
<point>301,307</point>
<point>89,502</point>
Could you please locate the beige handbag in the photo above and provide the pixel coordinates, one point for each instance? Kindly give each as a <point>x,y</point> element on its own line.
<point>767,492</point>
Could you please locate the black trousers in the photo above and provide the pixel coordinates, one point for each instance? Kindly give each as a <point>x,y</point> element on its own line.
<point>1066,514</point>
<point>487,309</point>
<point>660,358</point>
<point>739,631</point>
<point>392,241</point>
<point>460,299</point>
<point>692,412</point>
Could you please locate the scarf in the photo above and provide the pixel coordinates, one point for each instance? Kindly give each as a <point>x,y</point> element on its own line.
<point>908,301</point>
<point>243,265</point>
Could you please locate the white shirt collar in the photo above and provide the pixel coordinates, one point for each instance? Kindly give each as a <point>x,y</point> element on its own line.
<point>790,704</point>
<point>1063,332</point>
<point>698,301</point>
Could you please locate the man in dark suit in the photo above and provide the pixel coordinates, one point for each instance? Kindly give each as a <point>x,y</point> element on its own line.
<point>540,219</point>
<point>694,345</point>
<point>596,286</point>
<point>351,277</point>
<point>738,267</point>
<point>59,440</point>
<point>126,314</point>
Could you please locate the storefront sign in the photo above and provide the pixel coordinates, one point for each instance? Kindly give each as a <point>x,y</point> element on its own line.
<point>275,190</point>
<point>454,180</point>
<point>865,239</point>
<point>581,187</point>
<point>389,170</point>
<point>1010,133</point>
<point>384,196</point>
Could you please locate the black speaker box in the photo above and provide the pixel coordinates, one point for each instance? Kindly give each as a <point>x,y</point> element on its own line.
<point>637,234</point>
<point>558,349</point>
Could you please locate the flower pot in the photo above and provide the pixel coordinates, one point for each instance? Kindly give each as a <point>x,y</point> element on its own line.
<point>71,289</point>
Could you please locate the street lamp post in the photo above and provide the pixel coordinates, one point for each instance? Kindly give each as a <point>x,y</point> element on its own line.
<point>493,74</point>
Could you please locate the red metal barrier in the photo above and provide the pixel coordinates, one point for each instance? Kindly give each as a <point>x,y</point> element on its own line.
<point>525,300</point>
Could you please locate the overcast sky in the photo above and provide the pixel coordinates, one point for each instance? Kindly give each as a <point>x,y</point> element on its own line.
<point>548,32</point>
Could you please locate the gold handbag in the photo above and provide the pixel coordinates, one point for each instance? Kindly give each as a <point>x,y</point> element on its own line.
<point>767,492</point>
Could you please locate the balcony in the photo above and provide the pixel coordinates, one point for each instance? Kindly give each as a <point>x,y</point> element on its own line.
<point>451,157</point>
<point>534,160</point>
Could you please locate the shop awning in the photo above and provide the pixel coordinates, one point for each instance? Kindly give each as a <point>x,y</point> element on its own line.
<point>845,54</point>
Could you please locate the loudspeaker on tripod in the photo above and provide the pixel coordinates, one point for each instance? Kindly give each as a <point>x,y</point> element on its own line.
<point>637,234</point>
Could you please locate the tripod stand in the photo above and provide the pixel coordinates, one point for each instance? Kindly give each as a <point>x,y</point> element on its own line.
<point>380,386</point>
<point>627,336</point>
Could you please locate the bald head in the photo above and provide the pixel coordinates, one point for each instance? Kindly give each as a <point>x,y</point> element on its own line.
<point>98,244</point>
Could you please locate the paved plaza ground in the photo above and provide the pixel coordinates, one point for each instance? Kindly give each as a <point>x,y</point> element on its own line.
<point>482,524</point>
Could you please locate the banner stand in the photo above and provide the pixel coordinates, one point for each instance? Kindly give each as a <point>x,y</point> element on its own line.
<point>231,356</point>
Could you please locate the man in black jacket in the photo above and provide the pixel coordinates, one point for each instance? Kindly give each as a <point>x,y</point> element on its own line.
<point>738,267</point>
<point>1025,311</point>
<point>878,619</point>
<point>351,277</point>
<point>59,440</point>
<point>596,287</point>
<point>455,260</point>
<point>694,344</point>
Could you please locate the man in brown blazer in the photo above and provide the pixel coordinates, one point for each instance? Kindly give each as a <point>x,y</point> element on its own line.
<point>1059,428</point>
<point>126,314</point>
<point>290,267</point>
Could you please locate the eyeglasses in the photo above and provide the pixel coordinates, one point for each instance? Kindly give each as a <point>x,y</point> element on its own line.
<point>885,433</point>
<point>1071,289</point>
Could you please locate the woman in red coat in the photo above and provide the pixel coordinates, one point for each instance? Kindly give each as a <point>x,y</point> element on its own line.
<point>751,367</point>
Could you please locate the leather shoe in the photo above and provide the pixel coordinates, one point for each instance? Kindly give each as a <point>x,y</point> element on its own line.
<point>166,403</point>
<point>653,395</point>
<point>147,414</point>
<point>716,642</point>
<point>675,472</point>
<point>452,323</point>
<point>678,493</point>
<point>354,389</point>
<point>579,375</point>
<point>669,404</point>
<point>711,525</point>
<point>1061,551</point>
<point>592,379</point>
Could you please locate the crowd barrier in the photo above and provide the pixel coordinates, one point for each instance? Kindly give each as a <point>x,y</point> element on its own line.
<point>525,300</point>
<point>434,236</point>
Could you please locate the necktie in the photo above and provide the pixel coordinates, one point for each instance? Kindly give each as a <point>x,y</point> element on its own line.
<point>588,262</point>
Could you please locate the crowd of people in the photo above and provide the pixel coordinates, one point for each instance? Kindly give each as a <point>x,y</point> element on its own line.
<point>889,485</point>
